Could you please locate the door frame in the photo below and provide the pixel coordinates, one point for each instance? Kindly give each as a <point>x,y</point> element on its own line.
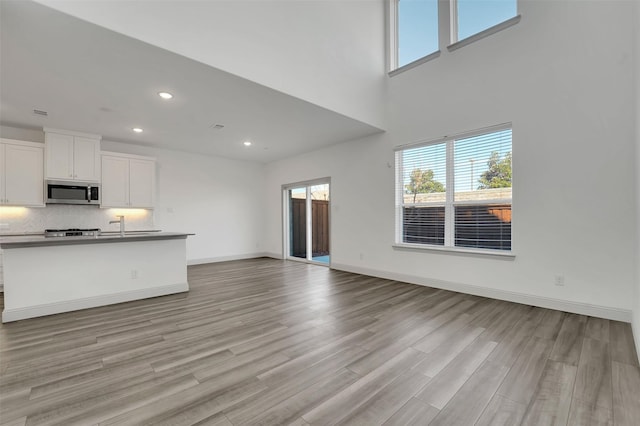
<point>286,218</point>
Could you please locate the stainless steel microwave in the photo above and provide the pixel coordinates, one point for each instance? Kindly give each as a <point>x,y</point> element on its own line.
<point>66,192</point>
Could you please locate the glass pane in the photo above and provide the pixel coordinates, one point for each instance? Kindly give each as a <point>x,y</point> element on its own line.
<point>423,225</point>
<point>417,29</point>
<point>424,174</point>
<point>320,223</point>
<point>482,166</point>
<point>487,227</point>
<point>298,222</point>
<point>67,192</point>
<point>475,16</point>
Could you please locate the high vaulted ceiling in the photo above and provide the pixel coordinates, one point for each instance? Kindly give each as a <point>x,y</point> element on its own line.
<point>94,80</point>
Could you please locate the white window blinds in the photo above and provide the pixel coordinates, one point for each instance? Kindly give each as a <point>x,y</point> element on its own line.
<point>457,191</point>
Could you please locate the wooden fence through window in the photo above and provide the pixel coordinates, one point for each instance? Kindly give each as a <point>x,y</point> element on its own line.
<point>319,227</point>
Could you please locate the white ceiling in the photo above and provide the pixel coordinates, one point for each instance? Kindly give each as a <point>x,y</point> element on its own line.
<point>94,80</point>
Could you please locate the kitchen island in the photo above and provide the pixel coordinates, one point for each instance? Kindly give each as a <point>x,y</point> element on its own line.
<point>44,276</point>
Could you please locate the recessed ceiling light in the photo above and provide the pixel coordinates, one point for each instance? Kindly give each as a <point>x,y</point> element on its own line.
<point>137,129</point>
<point>247,143</point>
<point>165,95</point>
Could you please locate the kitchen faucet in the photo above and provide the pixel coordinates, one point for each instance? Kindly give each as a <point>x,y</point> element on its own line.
<point>121,222</point>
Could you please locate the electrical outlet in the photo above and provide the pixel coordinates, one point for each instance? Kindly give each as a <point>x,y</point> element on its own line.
<point>361,256</point>
<point>558,280</point>
<point>134,274</point>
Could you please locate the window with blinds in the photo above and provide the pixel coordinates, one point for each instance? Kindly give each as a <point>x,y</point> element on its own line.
<point>456,192</point>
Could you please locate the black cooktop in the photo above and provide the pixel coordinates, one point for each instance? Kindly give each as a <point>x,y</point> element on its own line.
<point>71,230</point>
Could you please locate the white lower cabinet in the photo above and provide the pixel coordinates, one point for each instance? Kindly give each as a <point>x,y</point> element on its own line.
<point>128,181</point>
<point>21,173</point>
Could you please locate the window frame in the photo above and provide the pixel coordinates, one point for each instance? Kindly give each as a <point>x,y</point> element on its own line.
<point>450,203</point>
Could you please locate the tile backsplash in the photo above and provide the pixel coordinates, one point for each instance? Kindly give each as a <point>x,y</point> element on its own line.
<point>62,216</point>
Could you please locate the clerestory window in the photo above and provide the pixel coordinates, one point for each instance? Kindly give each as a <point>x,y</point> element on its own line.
<point>420,29</point>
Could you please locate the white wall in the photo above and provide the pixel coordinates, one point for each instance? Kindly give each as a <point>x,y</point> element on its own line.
<point>562,77</point>
<point>32,135</point>
<point>636,303</point>
<point>330,53</point>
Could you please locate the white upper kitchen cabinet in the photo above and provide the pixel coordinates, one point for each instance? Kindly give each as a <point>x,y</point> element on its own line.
<point>128,180</point>
<point>142,182</point>
<point>21,173</point>
<point>115,181</point>
<point>72,155</point>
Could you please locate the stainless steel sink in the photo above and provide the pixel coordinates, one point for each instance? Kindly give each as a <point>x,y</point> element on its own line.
<point>126,234</point>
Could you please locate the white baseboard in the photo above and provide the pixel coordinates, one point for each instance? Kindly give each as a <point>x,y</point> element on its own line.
<point>273,255</point>
<point>223,258</point>
<point>635,328</point>
<point>16,314</point>
<point>232,257</point>
<point>606,312</point>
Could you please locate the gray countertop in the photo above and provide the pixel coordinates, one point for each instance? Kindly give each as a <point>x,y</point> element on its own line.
<point>24,241</point>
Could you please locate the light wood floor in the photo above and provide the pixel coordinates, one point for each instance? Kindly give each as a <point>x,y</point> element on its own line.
<point>270,342</point>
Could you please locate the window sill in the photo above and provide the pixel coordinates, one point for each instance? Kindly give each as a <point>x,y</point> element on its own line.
<point>414,64</point>
<point>482,34</point>
<point>506,255</point>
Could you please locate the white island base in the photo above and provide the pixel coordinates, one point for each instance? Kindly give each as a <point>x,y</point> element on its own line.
<point>49,279</point>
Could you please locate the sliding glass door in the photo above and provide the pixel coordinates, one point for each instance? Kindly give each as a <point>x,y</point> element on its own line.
<point>307,222</point>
